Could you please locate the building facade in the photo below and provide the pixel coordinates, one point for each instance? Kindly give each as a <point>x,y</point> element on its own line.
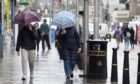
<point>134,8</point>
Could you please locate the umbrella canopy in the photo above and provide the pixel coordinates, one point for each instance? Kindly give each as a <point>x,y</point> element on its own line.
<point>26,17</point>
<point>64,19</point>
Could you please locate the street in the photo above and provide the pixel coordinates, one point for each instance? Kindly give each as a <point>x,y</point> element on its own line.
<point>49,69</point>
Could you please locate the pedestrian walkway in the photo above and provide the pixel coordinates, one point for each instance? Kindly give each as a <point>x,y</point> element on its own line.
<point>49,69</point>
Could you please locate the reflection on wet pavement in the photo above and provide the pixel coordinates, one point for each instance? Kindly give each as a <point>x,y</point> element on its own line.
<point>49,69</point>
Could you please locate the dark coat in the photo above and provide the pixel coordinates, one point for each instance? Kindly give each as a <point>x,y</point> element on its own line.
<point>132,34</point>
<point>26,39</point>
<point>39,34</point>
<point>125,31</point>
<point>58,42</point>
<point>70,43</point>
<point>71,39</point>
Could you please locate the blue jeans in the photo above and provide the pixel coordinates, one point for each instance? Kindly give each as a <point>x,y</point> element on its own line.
<point>126,40</point>
<point>52,35</point>
<point>69,61</point>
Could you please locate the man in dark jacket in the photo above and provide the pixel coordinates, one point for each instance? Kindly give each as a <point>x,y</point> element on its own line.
<point>36,25</point>
<point>45,34</point>
<point>27,42</point>
<point>70,47</point>
<point>132,37</point>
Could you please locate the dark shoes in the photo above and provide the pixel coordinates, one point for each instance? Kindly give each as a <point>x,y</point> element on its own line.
<point>23,78</point>
<point>69,77</point>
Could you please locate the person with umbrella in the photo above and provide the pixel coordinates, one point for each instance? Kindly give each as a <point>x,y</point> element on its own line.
<point>70,40</point>
<point>26,41</point>
<point>45,34</point>
<point>71,46</point>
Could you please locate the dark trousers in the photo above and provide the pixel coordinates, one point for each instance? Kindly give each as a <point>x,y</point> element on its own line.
<point>132,43</point>
<point>38,41</point>
<point>60,53</point>
<point>70,60</point>
<point>45,38</point>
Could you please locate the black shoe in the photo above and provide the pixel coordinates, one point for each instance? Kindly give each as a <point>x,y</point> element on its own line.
<point>67,78</point>
<point>71,75</point>
<point>23,78</point>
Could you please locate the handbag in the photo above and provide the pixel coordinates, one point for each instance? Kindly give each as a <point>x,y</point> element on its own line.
<point>128,34</point>
<point>80,61</point>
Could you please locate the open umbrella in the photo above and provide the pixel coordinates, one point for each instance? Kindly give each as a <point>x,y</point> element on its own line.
<point>26,17</point>
<point>64,19</point>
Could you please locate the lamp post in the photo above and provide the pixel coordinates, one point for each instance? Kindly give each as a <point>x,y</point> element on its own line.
<point>96,19</point>
<point>85,29</point>
<point>50,12</point>
<point>77,15</point>
<point>67,5</point>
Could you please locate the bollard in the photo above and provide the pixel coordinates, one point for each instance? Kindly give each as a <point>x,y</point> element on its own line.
<point>138,74</point>
<point>126,68</point>
<point>114,73</point>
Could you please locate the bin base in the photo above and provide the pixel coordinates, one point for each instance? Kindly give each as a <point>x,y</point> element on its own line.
<point>90,76</point>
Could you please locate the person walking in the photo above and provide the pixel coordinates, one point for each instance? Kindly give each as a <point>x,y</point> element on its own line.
<point>70,47</point>
<point>36,25</point>
<point>26,43</point>
<point>127,35</point>
<point>132,37</point>
<point>45,34</point>
<point>118,36</point>
<point>58,42</point>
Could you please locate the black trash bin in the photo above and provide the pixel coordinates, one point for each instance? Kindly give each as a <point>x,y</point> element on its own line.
<point>97,52</point>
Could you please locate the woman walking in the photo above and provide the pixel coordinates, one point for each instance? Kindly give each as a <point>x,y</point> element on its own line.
<point>26,43</point>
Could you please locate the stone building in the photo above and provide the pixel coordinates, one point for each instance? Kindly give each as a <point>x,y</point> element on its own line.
<point>134,8</point>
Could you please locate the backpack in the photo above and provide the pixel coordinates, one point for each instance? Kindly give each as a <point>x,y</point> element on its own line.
<point>117,33</point>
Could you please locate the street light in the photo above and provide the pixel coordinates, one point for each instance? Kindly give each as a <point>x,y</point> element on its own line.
<point>96,19</point>
<point>85,33</point>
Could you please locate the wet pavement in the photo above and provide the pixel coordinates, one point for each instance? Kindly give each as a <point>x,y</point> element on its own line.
<point>49,69</point>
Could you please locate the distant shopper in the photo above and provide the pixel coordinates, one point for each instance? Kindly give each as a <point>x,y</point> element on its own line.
<point>53,29</point>
<point>118,36</point>
<point>58,42</point>
<point>103,30</point>
<point>132,37</point>
<point>127,35</point>
<point>26,43</point>
<point>45,34</point>
<point>36,25</point>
